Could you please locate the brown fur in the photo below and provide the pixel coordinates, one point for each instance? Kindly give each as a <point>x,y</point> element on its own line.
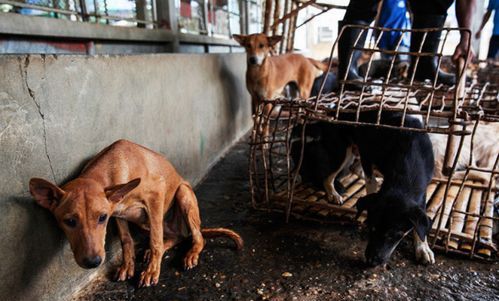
<point>268,79</point>
<point>133,184</point>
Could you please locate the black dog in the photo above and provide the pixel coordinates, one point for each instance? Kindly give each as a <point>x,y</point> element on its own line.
<point>316,165</point>
<point>405,159</point>
<point>330,85</point>
<point>317,162</point>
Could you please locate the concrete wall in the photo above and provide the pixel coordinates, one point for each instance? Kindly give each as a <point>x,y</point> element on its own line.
<point>57,112</point>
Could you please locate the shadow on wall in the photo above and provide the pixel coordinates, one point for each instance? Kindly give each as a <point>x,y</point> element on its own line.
<point>47,242</point>
<point>76,171</point>
<point>232,87</point>
<point>38,239</point>
<point>37,263</point>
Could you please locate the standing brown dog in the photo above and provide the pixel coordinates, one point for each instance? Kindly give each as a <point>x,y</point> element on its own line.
<point>152,188</point>
<point>267,75</point>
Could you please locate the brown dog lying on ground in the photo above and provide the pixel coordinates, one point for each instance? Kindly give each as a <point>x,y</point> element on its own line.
<point>133,184</point>
<point>266,75</point>
<point>485,150</point>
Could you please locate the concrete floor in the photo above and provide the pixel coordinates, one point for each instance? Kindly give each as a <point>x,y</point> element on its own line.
<point>294,261</point>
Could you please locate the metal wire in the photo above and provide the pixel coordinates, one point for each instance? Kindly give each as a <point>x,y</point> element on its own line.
<point>460,106</point>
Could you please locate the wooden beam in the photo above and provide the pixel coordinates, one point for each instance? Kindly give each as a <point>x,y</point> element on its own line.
<point>311,18</point>
<point>293,13</point>
<point>266,17</point>
<point>285,26</point>
<point>291,30</point>
<point>277,13</point>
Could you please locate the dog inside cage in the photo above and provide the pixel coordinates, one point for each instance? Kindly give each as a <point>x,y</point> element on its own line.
<point>390,143</point>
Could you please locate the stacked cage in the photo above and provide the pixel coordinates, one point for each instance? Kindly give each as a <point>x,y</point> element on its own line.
<point>460,199</point>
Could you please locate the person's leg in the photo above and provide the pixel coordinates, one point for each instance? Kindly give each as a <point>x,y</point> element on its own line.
<point>359,12</point>
<point>429,14</point>
<point>430,7</point>
<point>493,47</point>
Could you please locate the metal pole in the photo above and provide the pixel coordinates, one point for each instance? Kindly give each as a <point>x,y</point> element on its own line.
<point>140,12</point>
<point>153,12</point>
<point>96,11</point>
<point>84,12</point>
<point>245,17</point>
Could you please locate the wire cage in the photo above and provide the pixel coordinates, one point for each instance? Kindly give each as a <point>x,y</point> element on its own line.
<point>485,86</point>
<point>487,71</point>
<point>459,203</point>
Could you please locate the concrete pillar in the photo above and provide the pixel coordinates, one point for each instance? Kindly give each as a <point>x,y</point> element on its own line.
<point>140,12</point>
<point>246,9</point>
<point>166,14</point>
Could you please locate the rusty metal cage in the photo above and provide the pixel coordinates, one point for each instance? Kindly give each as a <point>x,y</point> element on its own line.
<point>461,207</point>
<point>487,71</point>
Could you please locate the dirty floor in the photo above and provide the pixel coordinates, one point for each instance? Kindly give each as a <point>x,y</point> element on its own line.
<point>295,261</point>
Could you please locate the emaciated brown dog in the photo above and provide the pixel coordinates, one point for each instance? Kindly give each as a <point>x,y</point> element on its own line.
<point>133,184</point>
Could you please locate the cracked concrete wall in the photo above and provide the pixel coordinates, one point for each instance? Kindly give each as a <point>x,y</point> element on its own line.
<point>57,112</point>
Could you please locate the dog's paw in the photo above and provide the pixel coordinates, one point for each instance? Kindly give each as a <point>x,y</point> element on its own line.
<point>125,271</point>
<point>150,276</point>
<point>334,197</point>
<point>371,186</point>
<point>191,260</point>
<point>424,254</point>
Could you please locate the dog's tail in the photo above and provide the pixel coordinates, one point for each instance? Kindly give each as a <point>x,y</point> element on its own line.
<point>216,232</point>
<point>319,65</point>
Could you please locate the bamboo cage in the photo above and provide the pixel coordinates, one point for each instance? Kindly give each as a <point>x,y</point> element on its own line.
<point>461,210</point>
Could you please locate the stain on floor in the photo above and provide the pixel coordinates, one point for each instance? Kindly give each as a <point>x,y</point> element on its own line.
<point>294,261</point>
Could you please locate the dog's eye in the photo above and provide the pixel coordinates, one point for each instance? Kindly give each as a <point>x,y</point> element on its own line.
<point>70,222</point>
<point>261,45</point>
<point>102,218</point>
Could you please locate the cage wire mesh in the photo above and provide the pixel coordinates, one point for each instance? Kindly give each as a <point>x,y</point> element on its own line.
<point>461,207</point>
<point>116,12</point>
<point>62,4</point>
<point>63,9</point>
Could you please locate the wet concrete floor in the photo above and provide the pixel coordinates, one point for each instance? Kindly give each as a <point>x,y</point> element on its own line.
<point>294,261</point>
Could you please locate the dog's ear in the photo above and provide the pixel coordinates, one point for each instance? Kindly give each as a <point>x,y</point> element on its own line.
<point>45,193</point>
<point>241,39</point>
<point>365,203</point>
<point>117,193</point>
<point>421,222</point>
<point>274,40</point>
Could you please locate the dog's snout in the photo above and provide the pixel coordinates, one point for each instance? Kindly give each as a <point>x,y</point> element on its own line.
<point>92,262</point>
<point>253,60</point>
